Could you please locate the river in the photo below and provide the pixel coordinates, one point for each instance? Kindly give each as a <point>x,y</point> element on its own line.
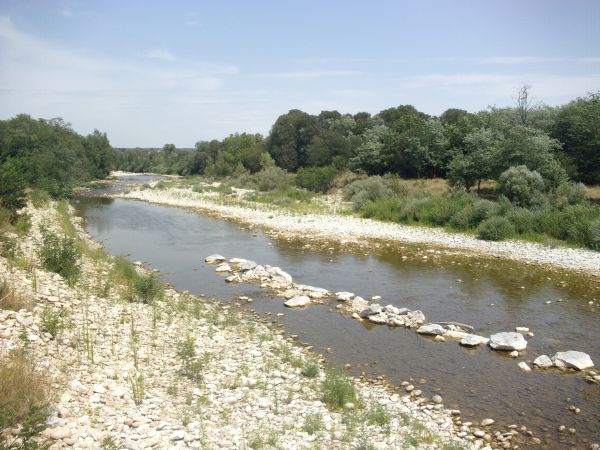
<point>490,294</point>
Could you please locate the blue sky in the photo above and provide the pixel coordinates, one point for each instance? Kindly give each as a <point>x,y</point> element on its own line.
<point>150,72</point>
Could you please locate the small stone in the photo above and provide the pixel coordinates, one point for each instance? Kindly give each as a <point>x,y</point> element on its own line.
<point>214,259</point>
<point>431,329</point>
<point>522,330</point>
<point>177,435</point>
<point>508,341</point>
<point>99,389</point>
<point>436,399</point>
<point>542,361</point>
<point>298,301</point>
<point>479,433</point>
<point>514,354</point>
<point>409,388</point>
<point>574,359</point>
<point>524,367</point>
<point>58,433</point>
<point>487,422</point>
<point>440,339</point>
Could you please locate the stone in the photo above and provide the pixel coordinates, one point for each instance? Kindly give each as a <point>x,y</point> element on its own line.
<point>374,308</point>
<point>214,259</point>
<point>431,329</point>
<point>344,296</point>
<point>522,330</point>
<point>77,386</point>
<point>232,278</point>
<point>514,354</point>
<point>414,318</point>
<point>379,319</point>
<point>524,367</point>
<point>391,309</point>
<point>298,301</point>
<point>574,359</point>
<point>487,422</point>
<point>543,361</point>
<point>396,321</point>
<point>224,267</point>
<point>436,399</point>
<point>508,341</point>
<point>439,339</point>
<point>471,340</point>
<point>177,435</point>
<point>99,389</point>
<point>58,433</point>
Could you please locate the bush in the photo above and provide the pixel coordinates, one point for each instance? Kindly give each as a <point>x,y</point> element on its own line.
<point>11,300</point>
<point>362,191</point>
<point>39,198</point>
<point>522,219</point>
<point>316,179</point>
<point>594,234</point>
<point>147,288</point>
<point>472,215</point>
<point>272,178</point>
<point>568,194</point>
<point>60,255</point>
<point>338,390</point>
<point>522,186</point>
<point>495,229</point>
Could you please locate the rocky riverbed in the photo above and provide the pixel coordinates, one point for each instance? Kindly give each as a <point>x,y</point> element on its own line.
<point>189,372</point>
<point>356,231</point>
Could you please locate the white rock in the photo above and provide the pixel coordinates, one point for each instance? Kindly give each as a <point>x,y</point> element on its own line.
<point>344,296</point>
<point>522,330</point>
<point>472,340</point>
<point>99,389</point>
<point>508,341</point>
<point>574,359</point>
<point>431,329</point>
<point>214,259</point>
<point>58,433</point>
<point>224,267</point>
<point>177,435</point>
<point>374,308</point>
<point>524,367</point>
<point>543,361</point>
<point>300,300</point>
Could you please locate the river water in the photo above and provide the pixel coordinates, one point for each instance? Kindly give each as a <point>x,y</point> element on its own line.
<point>489,294</point>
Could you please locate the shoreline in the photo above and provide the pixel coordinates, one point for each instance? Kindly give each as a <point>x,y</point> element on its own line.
<point>251,384</point>
<point>359,231</point>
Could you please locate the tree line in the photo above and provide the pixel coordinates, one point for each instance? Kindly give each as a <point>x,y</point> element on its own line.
<point>463,147</point>
<point>50,156</point>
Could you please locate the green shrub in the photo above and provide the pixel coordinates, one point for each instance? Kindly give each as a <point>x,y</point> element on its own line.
<point>313,423</point>
<point>147,288</point>
<point>568,194</point>
<point>472,215</point>
<point>39,198</point>
<point>311,370</point>
<point>522,219</point>
<point>54,320</point>
<point>272,178</point>
<point>495,229</point>
<point>60,255</point>
<point>378,415</point>
<point>594,234</point>
<point>8,247</point>
<point>522,186</point>
<point>337,390</point>
<point>368,190</point>
<point>316,179</point>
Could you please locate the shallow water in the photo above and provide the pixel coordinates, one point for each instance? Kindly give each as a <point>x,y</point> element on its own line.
<point>479,382</point>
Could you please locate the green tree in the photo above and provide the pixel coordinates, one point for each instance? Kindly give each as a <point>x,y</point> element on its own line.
<point>289,139</point>
<point>12,186</point>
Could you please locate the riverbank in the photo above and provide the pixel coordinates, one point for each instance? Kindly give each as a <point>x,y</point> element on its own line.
<point>181,371</point>
<point>356,231</point>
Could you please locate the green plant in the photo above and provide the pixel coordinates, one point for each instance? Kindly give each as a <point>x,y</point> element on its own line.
<point>594,232</point>
<point>522,186</point>
<point>495,229</point>
<point>378,415</point>
<point>362,191</point>
<point>191,365</point>
<point>313,423</point>
<point>137,388</point>
<point>337,390</point>
<point>11,300</point>
<point>316,179</point>
<point>60,255</point>
<point>54,320</point>
<point>108,443</point>
<point>8,247</point>
<point>39,198</point>
<point>148,288</point>
<point>311,370</point>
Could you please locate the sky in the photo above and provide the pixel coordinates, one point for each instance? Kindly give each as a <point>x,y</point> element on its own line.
<point>154,72</point>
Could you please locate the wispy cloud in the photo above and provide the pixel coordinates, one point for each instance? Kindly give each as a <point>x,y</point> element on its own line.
<point>308,74</point>
<point>520,60</point>
<point>161,54</point>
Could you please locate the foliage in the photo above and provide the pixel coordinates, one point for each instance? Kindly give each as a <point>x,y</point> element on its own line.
<point>368,190</point>
<point>316,179</point>
<point>12,300</point>
<point>495,229</point>
<point>313,423</point>
<point>54,320</point>
<point>522,186</point>
<point>61,255</point>
<point>191,364</point>
<point>147,288</point>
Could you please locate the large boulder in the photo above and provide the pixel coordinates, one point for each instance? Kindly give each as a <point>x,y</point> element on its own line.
<point>344,296</point>
<point>242,265</point>
<point>508,341</point>
<point>472,340</point>
<point>432,329</point>
<point>298,301</point>
<point>414,318</point>
<point>571,358</point>
<point>379,318</point>
<point>223,267</point>
<point>214,259</point>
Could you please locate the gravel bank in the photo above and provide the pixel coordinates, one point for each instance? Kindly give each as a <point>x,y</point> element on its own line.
<point>348,229</point>
<point>249,388</point>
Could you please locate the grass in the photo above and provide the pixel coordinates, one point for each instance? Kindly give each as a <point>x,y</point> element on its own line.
<point>55,320</point>
<point>12,300</point>
<point>313,423</point>
<point>23,400</point>
<point>378,415</point>
<point>337,390</point>
<point>60,254</point>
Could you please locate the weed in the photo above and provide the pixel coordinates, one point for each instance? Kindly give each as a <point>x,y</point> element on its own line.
<point>148,288</point>
<point>311,370</point>
<point>11,300</point>
<point>60,255</point>
<point>379,415</point>
<point>337,390</point>
<point>55,320</point>
<point>313,423</point>
<point>137,388</point>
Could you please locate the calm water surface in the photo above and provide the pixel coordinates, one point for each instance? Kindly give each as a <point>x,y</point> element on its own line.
<point>479,382</point>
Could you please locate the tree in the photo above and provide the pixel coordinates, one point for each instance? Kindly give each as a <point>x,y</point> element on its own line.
<point>523,103</point>
<point>168,148</point>
<point>12,186</point>
<point>289,138</point>
<point>578,128</point>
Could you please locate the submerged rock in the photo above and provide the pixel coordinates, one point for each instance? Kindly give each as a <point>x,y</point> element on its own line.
<point>431,329</point>
<point>224,267</point>
<point>543,361</point>
<point>414,318</point>
<point>574,359</point>
<point>508,341</point>
<point>298,301</point>
<point>524,366</point>
<point>214,259</point>
<point>379,318</point>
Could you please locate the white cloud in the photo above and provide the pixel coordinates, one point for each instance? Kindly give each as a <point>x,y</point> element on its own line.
<point>162,54</point>
<point>308,74</point>
<point>520,60</point>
